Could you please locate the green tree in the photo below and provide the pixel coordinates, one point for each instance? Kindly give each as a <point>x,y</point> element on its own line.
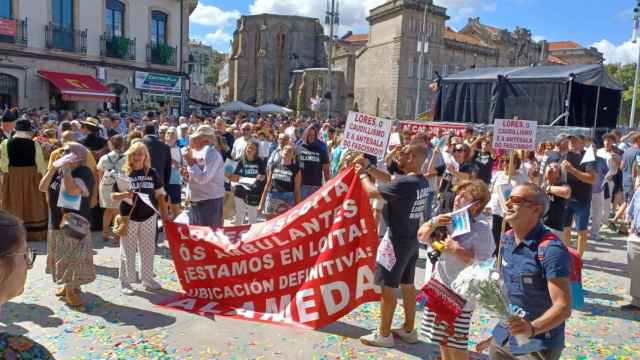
<point>217,61</point>
<point>625,74</point>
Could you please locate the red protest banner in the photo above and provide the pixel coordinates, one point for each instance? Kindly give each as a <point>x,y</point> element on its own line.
<point>429,127</point>
<point>307,267</point>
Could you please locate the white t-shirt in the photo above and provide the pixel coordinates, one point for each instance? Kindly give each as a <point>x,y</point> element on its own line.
<point>501,178</point>
<point>479,240</point>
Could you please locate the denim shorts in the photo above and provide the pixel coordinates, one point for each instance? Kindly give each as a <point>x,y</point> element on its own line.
<point>278,202</point>
<point>307,190</point>
<point>581,211</point>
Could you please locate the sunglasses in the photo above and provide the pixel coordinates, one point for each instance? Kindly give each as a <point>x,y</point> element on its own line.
<point>519,200</point>
<point>29,257</point>
<point>458,150</point>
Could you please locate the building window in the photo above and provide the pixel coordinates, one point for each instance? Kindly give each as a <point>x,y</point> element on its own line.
<point>62,13</point>
<point>411,69</point>
<point>408,110</point>
<point>158,27</point>
<point>5,9</point>
<point>114,18</point>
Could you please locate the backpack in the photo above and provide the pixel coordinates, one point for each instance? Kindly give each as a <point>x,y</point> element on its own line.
<point>109,178</point>
<point>577,292</point>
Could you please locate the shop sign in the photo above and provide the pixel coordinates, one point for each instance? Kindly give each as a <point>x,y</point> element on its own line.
<point>157,82</point>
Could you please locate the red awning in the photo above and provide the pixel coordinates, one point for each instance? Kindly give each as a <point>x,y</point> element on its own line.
<point>78,87</point>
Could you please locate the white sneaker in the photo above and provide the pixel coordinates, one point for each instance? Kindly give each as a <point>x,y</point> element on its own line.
<point>126,290</point>
<point>375,339</point>
<point>408,337</point>
<point>151,285</point>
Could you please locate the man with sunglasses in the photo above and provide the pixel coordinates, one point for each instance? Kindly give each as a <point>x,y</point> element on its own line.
<point>535,269</point>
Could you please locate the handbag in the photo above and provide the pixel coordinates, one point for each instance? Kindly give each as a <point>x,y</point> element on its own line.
<point>75,226</point>
<point>121,222</point>
<point>445,303</point>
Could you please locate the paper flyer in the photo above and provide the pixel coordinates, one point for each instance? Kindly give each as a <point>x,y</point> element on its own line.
<point>230,166</point>
<point>386,255</point>
<point>589,156</point>
<point>460,221</point>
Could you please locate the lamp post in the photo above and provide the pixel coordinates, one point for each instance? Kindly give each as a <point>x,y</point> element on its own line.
<point>331,19</point>
<point>636,19</point>
<point>422,42</point>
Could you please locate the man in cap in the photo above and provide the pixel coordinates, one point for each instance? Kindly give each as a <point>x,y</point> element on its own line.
<point>205,178</point>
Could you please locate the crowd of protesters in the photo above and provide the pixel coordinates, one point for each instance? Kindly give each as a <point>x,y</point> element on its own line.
<point>123,173</point>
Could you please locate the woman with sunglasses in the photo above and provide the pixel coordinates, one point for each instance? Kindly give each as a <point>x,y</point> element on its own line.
<point>499,185</point>
<point>16,258</point>
<point>283,188</point>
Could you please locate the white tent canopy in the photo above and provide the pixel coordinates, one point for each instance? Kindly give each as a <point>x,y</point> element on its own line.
<point>273,108</point>
<point>235,106</point>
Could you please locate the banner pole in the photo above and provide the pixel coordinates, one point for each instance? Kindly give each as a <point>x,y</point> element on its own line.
<point>504,223</point>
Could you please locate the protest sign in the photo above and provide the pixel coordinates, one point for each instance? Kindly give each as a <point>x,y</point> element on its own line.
<point>514,134</point>
<point>307,267</point>
<point>367,134</point>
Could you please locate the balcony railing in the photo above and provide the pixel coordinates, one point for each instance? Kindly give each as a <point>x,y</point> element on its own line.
<point>161,54</point>
<point>118,47</point>
<point>65,39</point>
<point>14,31</point>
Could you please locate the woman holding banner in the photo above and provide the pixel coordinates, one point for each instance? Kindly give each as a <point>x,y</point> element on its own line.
<point>457,254</point>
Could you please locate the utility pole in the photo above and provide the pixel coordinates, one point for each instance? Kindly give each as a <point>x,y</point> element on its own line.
<point>331,19</point>
<point>636,19</point>
<point>422,42</point>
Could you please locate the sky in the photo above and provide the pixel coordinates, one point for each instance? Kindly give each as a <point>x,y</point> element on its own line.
<point>605,24</point>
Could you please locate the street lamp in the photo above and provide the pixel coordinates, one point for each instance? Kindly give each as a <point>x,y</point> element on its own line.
<point>331,19</point>
<point>636,19</point>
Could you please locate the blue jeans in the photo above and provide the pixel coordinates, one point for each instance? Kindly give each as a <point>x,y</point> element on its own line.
<point>207,213</point>
<point>307,190</point>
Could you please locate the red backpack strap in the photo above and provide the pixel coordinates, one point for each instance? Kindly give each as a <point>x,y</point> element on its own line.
<point>547,237</point>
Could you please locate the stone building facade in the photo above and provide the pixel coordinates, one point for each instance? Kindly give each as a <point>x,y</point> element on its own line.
<point>266,49</point>
<point>200,57</point>
<point>119,43</point>
<point>386,72</point>
<point>570,53</point>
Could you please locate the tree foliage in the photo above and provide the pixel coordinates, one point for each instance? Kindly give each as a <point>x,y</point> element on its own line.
<point>217,61</point>
<point>625,74</point>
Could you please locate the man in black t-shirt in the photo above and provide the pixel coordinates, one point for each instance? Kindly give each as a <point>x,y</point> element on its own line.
<point>580,177</point>
<point>462,169</point>
<point>558,190</point>
<point>405,197</point>
<point>484,159</point>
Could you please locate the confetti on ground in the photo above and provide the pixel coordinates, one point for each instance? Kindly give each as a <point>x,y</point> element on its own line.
<point>112,326</point>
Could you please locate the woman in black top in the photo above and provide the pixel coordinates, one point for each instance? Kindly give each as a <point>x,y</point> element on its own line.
<point>558,192</point>
<point>284,180</point>
<point>143,184</point>
<point>70,185</point>
<point>314,162</point>
<point>247,194</point>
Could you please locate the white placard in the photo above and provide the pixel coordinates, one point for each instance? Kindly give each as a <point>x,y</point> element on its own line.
<point>510,134</point>
<point>367,134</point>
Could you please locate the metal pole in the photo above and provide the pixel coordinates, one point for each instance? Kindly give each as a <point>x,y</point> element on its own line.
<point>422,39</point>
<point>595,121</point>
<point>568,105</point>
<point>632,121</point>
<point>332,17</point>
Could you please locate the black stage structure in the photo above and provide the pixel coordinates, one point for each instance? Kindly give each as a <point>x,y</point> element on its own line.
<point>569,95</point>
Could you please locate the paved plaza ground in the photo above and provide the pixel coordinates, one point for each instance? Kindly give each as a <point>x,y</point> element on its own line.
<point>114,326</point>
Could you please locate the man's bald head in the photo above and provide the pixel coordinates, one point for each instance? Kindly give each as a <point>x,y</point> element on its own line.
<point>68,136</point>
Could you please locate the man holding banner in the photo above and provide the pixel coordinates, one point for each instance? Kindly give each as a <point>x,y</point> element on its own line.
<point>405,198</point>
